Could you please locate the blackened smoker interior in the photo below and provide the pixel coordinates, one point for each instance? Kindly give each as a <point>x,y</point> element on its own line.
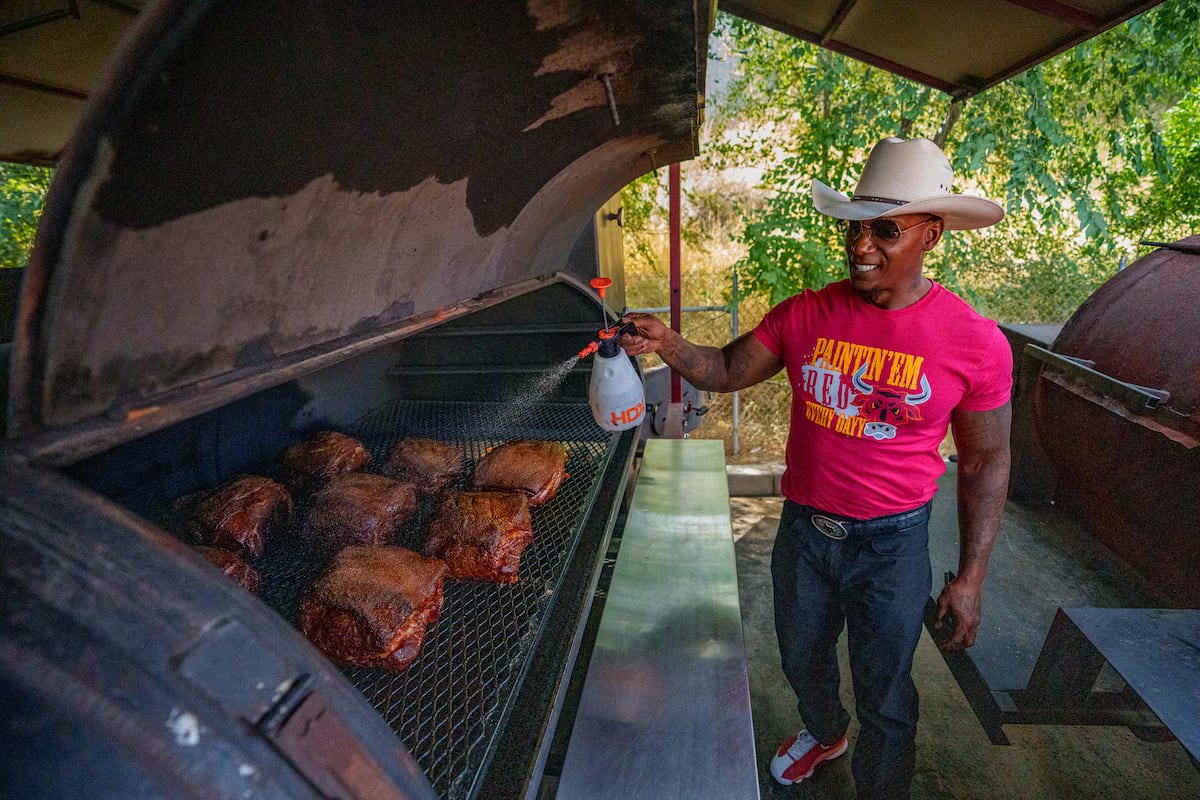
<point>449,706</point>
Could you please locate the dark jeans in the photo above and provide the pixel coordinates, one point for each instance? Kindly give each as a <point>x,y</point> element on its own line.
<point>876,582</point>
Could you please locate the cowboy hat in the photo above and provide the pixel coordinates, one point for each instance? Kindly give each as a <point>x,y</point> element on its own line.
<point>907,177</point>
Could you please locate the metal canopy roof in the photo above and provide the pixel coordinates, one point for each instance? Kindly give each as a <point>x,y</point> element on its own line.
<point>958,46</point>
<point>51,51</point>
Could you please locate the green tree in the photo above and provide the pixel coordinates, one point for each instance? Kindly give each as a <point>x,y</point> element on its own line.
<point>1090,152</point>
<point>1175,197</point>
<point>22,194</point>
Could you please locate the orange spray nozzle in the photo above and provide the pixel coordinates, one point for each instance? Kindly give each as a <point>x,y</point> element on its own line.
<point>606,340</point>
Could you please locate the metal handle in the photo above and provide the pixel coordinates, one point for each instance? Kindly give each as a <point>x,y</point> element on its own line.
<point>1082,368</point>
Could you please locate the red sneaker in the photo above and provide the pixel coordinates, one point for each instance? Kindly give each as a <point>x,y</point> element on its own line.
<point>799,756</point>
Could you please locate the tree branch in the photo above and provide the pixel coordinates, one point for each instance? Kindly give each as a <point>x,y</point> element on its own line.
<point>952,114</point>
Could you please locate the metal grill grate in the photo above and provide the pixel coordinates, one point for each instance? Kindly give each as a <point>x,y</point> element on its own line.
<point>449,705</point>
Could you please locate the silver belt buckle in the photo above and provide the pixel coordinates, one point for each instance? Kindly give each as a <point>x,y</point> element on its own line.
<point>829,526</point>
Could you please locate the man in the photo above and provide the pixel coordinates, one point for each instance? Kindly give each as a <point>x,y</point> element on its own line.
<point>880,364</point>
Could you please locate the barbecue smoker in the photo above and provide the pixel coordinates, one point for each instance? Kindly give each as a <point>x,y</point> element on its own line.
<point>276,219</point>
<point>1122,373</point>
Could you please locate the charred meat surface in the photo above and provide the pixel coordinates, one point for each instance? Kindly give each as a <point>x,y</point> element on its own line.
<point>241,514</point>
<point>535,468</point>
<point>312,463</point>
<point>482,534</point>
<point>358,509</point>
<point>374,606</point>
<point>234,567</point>
<point>429,465</point>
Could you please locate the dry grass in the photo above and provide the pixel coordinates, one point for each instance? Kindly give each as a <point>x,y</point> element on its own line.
<point>706,280</point>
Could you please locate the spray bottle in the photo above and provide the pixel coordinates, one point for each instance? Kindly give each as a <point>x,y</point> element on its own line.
<point>615,394</point>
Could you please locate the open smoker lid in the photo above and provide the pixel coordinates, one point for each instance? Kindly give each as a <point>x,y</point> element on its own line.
<point>254,182</point>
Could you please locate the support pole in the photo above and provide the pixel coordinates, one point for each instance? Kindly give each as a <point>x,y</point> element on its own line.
<point>737,447</point>
<point>676,305</point>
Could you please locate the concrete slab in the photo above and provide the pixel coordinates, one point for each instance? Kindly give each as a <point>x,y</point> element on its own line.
<point>955,760</point>
<point>750,480</point>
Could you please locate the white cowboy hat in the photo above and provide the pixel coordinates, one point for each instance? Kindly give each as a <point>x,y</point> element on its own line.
<point>907,177</point>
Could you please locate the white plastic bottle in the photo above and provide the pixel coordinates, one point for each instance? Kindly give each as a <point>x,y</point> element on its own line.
<point>616,394</point>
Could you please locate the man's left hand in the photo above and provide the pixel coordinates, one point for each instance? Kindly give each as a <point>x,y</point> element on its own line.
<point>959,607</point>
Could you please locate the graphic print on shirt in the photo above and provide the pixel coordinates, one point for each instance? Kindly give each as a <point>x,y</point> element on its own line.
<point>862,391</point>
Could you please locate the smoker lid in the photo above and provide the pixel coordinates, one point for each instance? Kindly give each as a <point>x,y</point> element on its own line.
<point>1140,328</point>
<point>255,180</point>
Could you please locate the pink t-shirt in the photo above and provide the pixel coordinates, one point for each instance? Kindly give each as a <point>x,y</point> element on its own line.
<point>872,393</point>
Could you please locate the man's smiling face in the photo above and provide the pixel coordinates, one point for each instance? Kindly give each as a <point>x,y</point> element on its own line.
<point>887,272</point>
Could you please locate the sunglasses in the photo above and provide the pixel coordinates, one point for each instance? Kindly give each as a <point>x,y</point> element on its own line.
<point>880,230</point>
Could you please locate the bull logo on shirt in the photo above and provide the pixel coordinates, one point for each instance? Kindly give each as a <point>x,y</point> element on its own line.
<point>884,409</point>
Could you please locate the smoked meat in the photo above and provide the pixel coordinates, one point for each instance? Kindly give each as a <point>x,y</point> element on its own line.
<point>241,514</point>
<point>374,606</point>
<point>429,465</point>
<point>481,534</point>
<point>312,463</point>
<point>358,509</point>
<point>233,566</point>
<point>534,467</point>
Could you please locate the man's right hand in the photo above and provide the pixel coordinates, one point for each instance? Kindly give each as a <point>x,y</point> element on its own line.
<point>650,334</point>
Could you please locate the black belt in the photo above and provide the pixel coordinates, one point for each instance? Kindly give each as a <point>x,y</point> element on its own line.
<point>836,526</point>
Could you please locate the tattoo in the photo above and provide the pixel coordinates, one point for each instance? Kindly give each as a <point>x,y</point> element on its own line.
<point>738,360</point>
<point>737,365</point>
<point>692,364</point>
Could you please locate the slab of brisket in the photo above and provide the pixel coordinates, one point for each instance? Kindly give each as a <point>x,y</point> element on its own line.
<point>358,509</point>
<point>481,534</point>
<point>533,467</point>
<point>234,567</point>
<point>241,514</point>
<point>312,463</point>
<point>429,465</point>
<point>374,606</point>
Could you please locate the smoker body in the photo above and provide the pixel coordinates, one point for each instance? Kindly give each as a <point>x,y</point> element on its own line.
<point>1123,373</point>
<point>279,219</point>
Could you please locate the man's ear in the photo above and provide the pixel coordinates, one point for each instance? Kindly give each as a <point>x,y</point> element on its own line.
<point>933,235</point>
